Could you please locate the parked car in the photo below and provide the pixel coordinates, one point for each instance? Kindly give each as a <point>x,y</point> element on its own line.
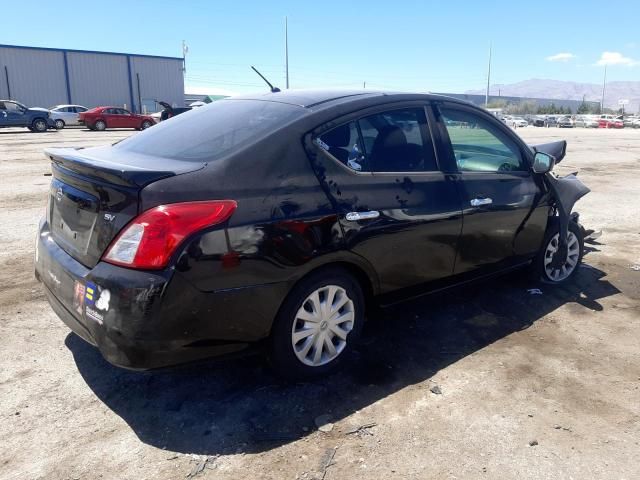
<point>15,114</point>
<point>256,222</point>
<point>170,111</point>
<point>538,121</point>
<point>101,118</point>
<point>586,121</point>
<point>631,122</point>
<point>610,121</point>
<point>565,122</point>
<point>66,115</point>
<point>519,122</point>
<point>167,112</point>
<point>551,121</point>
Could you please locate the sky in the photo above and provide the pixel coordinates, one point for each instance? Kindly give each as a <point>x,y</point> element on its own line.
<point>404,45</point>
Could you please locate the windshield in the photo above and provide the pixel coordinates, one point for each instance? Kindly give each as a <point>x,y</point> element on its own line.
<point>213,131</point>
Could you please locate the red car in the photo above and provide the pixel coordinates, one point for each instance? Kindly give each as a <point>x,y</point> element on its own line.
<point>609,121</point>
<point>101,118</point>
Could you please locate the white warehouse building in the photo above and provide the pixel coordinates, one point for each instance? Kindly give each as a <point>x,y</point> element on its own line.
<point>43,77</point>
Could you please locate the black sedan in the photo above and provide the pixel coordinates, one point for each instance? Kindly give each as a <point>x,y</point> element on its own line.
<point>277,220</point>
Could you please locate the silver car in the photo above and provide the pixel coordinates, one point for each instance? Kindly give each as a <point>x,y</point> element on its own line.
<point>64,115</point>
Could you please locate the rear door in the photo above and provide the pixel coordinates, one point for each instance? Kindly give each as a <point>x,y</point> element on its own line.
<point>504,218</point>
<point>397,207</point>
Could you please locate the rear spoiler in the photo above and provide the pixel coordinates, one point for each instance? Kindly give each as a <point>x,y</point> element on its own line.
<point>556,149</point>
<point>105,163</point>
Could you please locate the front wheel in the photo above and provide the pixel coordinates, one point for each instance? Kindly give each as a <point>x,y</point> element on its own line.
<point>39,125</point>
<point>146,124</point>
<point>59,124</point>
<point>549,267</point>
<point>317,325</point>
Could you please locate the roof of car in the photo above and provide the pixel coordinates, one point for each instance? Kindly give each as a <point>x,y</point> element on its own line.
<point>313,98</point>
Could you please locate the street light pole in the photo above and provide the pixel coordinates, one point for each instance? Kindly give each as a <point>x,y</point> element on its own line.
<point>486,96</point>
<point>286,51</point>
<point>604,83</point>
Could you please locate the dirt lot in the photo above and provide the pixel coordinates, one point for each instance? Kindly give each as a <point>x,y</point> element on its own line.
<point>532,386</point>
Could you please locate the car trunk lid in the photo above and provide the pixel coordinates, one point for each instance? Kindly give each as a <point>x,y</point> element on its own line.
<point>94,194</point>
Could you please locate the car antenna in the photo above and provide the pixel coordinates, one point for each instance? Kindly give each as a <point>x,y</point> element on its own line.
<point>273,89</point>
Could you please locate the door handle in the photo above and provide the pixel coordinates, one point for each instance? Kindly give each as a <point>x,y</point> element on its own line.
<point>477,202</point>
<point>355,216</point>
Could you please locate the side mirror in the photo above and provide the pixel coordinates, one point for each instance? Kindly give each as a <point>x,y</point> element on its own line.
<point>542,163</point>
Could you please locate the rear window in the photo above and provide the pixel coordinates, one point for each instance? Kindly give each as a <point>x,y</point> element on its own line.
<point>213,131</point>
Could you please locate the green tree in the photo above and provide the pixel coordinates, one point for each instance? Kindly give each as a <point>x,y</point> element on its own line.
<point>583,108</point>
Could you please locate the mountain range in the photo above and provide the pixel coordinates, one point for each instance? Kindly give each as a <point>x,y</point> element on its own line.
<point>558,89</point>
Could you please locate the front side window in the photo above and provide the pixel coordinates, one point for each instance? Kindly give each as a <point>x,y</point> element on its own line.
<point>13,107</point>
<point>393,141</point>
<point>478,145</point>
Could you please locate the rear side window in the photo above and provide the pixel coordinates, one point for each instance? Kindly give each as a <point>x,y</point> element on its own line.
<point>212,131</point>
<point>344,144</point>
<point>393,141</point>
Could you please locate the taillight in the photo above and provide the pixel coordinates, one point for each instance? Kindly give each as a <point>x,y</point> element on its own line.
<point>151,238</point>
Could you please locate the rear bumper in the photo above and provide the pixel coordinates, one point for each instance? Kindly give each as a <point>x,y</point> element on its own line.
<point>142,320</point>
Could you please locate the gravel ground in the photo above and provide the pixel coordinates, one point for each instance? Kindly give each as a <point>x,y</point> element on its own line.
<point>487,381</point>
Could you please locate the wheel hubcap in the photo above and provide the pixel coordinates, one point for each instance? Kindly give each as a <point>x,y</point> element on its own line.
<point>322,323</point>
<point>556,273</point>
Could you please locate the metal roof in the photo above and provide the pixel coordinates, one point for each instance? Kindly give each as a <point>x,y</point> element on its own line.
<point>88,51</point>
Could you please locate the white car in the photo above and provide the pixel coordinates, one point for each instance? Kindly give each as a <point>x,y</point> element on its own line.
<point>518,122</point>
<point>586,121</point>
<point>515,122</point>
<point>64,115</point>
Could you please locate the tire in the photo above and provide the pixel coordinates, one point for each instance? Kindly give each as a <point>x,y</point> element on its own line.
<point>100,125</point>
<point>297,318</point>
<point>542,267</point>
<point>39,125</point>
<point>59,124</point>
<point>146,124</point>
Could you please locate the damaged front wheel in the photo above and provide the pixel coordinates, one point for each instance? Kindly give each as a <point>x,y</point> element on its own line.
<point>555,264</point>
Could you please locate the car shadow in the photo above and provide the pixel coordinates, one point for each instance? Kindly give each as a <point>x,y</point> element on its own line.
<point>25,131</point>
<point>231,406</point>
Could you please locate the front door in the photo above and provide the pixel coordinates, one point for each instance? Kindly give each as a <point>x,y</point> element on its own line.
<point>4,115</point>
<point>397,208</point>
<point>504,218</point>
<point>14,114</point>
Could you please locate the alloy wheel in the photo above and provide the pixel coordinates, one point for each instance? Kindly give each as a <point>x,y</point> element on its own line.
<point>571,262</point>
<point>321,325</point>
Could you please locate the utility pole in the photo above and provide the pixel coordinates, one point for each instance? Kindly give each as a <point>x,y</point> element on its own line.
<point>486,96</point>
<point>604,83</point>
<point>364,85</point>
<point>185,49</point>
<point>286,51</point>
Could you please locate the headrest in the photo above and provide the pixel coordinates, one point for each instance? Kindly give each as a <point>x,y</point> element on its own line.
<point>338,137</point>
<point>390,136</point>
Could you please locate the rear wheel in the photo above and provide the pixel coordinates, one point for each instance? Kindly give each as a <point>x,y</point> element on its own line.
<point>39,125</point>
<point>317,325</point>
<point>100,125</point>
<point>59,124</point>
<point>549,267</point>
